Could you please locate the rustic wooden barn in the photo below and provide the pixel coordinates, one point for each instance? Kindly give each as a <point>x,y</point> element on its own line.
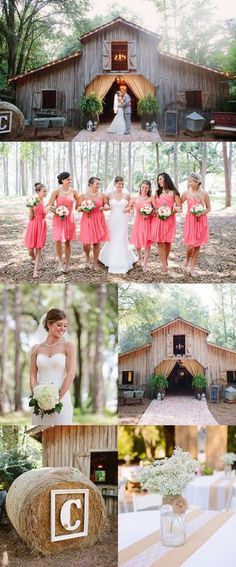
<point>89,448</point>
<point>119,52</point>
<point>179,350</point>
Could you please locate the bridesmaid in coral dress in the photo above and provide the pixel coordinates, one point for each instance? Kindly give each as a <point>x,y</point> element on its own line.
<point>35,236</point>
<point>141,233</point>
<point>93,228</point>
<point>196,223</point>
<point>63,228</point>
<point>163,229</point>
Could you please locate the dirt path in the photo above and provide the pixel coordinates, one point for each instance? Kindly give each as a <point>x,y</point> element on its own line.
<point>131,414</point>
<point>102,554</point>
<point>217,262</point>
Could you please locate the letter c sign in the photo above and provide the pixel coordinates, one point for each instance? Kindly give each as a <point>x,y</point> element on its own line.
<point>67,528</point>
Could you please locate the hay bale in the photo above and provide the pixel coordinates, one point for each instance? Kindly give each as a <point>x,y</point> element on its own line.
<point>29,508</point>
<point>18,121</point>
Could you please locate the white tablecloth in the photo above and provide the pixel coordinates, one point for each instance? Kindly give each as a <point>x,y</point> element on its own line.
<point>197,492</point>
<point>218,551</point>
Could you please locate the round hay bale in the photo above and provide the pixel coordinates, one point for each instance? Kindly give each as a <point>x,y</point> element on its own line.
<point>18,121</point>
<point>29,509</point>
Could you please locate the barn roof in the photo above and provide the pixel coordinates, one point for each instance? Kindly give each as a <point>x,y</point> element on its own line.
<point>119,20</point>
<point>200,66</point>
<point>222,348</point>
<point>147,345</point>
<point>183,321</point>
<point>46,66</point>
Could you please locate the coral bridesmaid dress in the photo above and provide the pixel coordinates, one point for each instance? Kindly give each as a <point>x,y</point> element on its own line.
<point>163,230</point>
<point>141,233</point>
<point>35,236</point>
<point>93,228</point>
<point>196,230</point>
<point>64,230</point>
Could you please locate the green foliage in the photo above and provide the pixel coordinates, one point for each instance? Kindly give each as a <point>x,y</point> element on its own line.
<point>147,105</point>
<point>158,382</point>
<point>135,443</point>
<point>91,105</point>
<point>18,453</point>
<point>207,470</point>
<point>199,382</point>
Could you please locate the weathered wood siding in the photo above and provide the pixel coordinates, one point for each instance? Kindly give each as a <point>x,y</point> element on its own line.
<point>162,343</point>
<point>139,362</point>
<point>67,446</point>
<point>219,361</point>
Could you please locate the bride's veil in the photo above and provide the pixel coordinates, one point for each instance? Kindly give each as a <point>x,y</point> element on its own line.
<point>40,335</point>
<point>111,187</point>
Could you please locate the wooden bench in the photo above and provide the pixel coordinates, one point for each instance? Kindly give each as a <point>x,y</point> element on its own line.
<point>223,124</point>
<point>54,122</point>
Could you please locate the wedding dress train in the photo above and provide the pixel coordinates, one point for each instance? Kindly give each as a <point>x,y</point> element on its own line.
<point>118,125</point>
<point>117,254</point>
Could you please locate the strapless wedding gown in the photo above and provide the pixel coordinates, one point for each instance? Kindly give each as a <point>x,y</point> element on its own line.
<point>117,254</point>
<point>118,125</point>
<point>51,370</point>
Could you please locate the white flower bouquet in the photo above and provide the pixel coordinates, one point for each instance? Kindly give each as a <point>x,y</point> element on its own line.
<point>197,209</point>
<point>62,212</point>
<point>45,400</point>
<point>87,206</point>
<point>146,211</point>
<point>32,201</point>
<point>170,476</point>
<point>164,212</point>
<point>228,458</point>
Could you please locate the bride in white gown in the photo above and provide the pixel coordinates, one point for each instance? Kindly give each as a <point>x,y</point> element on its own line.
<point>117,253</point>
<point>118,125</point>
<point>53,361</point>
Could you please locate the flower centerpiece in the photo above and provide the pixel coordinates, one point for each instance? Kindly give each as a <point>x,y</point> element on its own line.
<point>62,212</point>
<point>45,400</point>
<point>87,206</point>
<point>164,212</point>
<point>228,460</point>
<point>32,201</point>
<point>197,210</point>
<point>170,476</point>
<point>146,211</point>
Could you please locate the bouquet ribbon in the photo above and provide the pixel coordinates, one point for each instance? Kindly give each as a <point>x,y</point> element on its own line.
<point>178,503</point>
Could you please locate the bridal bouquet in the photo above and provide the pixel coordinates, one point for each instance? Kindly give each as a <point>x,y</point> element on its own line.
<point>32,201</point>
<point>146,211</point>
<point>62,212</point>
<point>197,210</point>
<point>87,206</point>
<point>45,400</point>
<point>164,212</point>
<point>170,476</point>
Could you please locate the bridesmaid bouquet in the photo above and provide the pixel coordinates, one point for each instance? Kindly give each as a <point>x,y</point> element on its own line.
<point>45,400</point>
<point>62,212</point>
<point>32,201</point>
<point>164,212</point>
<point>145,211</point>
<point>87,206</point>
<point>197,210</point>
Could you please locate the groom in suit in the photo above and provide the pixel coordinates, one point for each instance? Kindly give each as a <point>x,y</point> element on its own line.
<point>127,109</point>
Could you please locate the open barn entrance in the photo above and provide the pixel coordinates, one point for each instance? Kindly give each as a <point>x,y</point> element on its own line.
<point>108,113</point>
<point>180,380</point>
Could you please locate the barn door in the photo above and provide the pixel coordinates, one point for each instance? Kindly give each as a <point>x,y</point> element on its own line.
<point>82,462</point>
<point>189,344</point>
<point>181,98</point>
<point>132,55</point>
<point>169,345</point>
<point>106,55</point>
<point>37,100</point>
<point>206,98</point>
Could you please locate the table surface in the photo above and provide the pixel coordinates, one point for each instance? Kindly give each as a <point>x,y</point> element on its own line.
<point>218,551</point>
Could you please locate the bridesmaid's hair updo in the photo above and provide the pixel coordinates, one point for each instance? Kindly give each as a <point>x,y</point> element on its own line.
<point>92,179</point>
<point>168,184</point>
<point>196,177</point>
<point>52,316</point>
<point>148,183</point>
<point>38,187</point>
<point>62,176</point>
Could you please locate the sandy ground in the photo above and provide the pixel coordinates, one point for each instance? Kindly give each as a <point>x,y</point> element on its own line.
<point>139,135</point>
<point>45,135</point>
<point>102,554</point>
<point>223,412</point>
<point>217,261</point>
<point>130,414</point>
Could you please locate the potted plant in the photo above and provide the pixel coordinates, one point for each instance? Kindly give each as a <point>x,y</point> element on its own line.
<point>147,109</point>
<point>159,383</point>
<point>91,107</point>
<point>199,384</point>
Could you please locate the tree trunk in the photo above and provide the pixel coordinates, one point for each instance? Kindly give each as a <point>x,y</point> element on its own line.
<point>98,363</point>
<point>176,165</point>
<point>204,164</point>
<point>17,316</point>
<point>78,377</point>
<point>227,175</point>
<point>4,357</point>
<point>106,172</point>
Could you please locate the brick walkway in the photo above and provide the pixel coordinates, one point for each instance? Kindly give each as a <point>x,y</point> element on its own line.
<point>177,410</point>
<point>101,135</point>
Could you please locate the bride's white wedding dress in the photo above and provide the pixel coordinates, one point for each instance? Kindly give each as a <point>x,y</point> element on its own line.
<point>52,370</point>
<point>117,254</point>
<point>118,125</point>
